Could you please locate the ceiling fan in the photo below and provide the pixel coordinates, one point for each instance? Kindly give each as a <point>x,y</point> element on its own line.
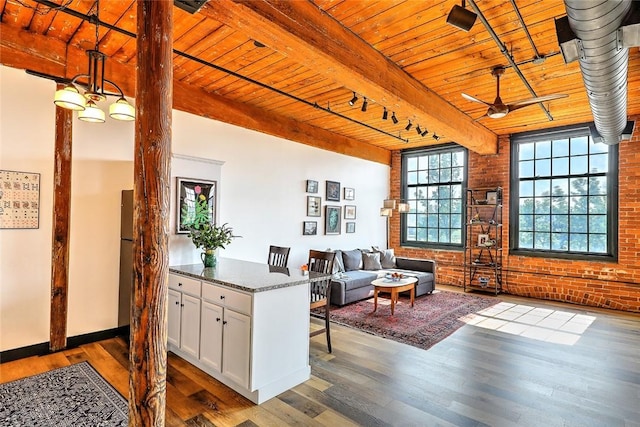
<point>498,109</point>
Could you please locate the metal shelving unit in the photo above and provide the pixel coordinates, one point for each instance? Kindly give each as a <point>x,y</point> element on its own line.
<point>483,247</point>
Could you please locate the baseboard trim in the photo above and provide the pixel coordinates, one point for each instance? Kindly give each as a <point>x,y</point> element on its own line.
<point>72,342</point>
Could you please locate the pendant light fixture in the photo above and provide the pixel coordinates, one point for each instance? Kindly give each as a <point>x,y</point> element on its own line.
<point>94,89</point>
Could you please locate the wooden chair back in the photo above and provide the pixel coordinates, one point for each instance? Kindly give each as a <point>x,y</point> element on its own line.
<point>278,256</point>
<point>320,290</point>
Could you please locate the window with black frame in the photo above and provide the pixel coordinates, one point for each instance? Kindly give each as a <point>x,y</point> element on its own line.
<point>433,184</point>
<point>563,198</point>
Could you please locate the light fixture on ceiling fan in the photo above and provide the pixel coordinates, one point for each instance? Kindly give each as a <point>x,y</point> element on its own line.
<point>94,89</point>
<point>499,109</point>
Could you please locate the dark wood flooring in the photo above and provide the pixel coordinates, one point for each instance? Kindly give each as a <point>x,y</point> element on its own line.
<point>475,377</point>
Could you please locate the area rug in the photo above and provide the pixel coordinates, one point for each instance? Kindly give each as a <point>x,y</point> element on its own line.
<point>74,395</point>
<point>433,317</point>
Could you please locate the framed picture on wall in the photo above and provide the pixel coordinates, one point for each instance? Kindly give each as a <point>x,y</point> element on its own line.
<point>332,221</point>
<point>188,192</point>
<point>309,228</point>
<point>351,227</point>
<point>349,193</point>
<point>313,206</point>
<point>333,191</point>
<point>349,212</point>
<point>312,186</point>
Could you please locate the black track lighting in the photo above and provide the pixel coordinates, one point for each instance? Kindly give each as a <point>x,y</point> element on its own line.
<point>425,132</point>
<point>353,100</point>
<point>418,130</point>
<point>385,114</point>
<point>408,125</point>
<point>364,104</point>
<point>461,18</point>
<point>436,137</point>
<point>393,118</point>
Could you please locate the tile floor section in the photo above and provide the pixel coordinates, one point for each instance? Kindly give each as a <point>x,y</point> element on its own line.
<point>543,324</point>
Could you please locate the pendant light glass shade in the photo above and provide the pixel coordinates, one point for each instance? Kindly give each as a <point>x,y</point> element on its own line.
<point>122,110</point>
<point>70,98</point>
<point>386,212</point>
<point>91,113</point>
<point>403,207</point>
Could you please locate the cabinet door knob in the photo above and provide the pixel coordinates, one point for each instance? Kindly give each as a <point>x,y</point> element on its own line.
<point>181,305</point>
<point>224,322</point>
<point>221,296</point>
<point>177,303</point>
<point>217,319</point>
<point>179,283</point>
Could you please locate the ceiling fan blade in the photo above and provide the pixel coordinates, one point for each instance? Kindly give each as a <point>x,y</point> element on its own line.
<point>526,102</point>
<point>471,98</point>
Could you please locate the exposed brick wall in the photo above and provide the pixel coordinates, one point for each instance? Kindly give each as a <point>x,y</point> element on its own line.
<point>613,285</point>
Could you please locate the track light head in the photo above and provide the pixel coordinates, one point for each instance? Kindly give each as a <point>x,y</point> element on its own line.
<point>418,130</point>
<point>436,137</point>
<point>364,105</point>
<point>461,18</point>
<point>353,100</point>
<point>425,132</point>
<point>385,114</point>
<point>393,118</point>
<point>408,125</point>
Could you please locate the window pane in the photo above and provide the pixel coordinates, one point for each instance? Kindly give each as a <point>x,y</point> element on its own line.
<point>597,148</point>
<point>578,186</point>
<point>543,205</point>
<point>578,223</point>
<point>457,174</point>
<point>412,164</point>
<point>598,243</point>
<point>597,185</point>
<point>526,222</point>
<point>422,235</point>
<point>543,222</point>
<point>526,188</point>
<point>445,160</point>
<point>598,205</point>
<point>412,178</point>
<point>423,162</point>
<point>543,167</point>
<point>559,223</point>
<point>445,175</point>
<point>542,187</point>
<point>526,151</point>
<point>560,186</point>
<point>560,166</point>
<point>526,240</point>
<point>445,236</point>
<point>542,241</point>
<point>526,205</point>
<point>434,176</point>
<point>560,147</point>
<point>526,169</point>
<point>411,220</point>
<point>597,224</point>
<point>579,145</point>
<point>579,165</point>
<point>559,242</point>
<point>543,149</point>
<point>423,177</point>
<point>434,161</point>
<point>411,234</point>
<point>598,163</point>
<point>433,220</point>
<point>422,220</point>
<point>578,243</point>
<point>579,205</point>
<point>457,159</point>
<point>433,235</point>
<point>559,205</point>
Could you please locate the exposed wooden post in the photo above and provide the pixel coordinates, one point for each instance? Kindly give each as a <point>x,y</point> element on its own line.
<point>60,235</point>
<point>152,151</point>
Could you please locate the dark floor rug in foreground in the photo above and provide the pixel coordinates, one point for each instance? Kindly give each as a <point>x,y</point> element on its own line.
<point>433,317</point>
<point>74,395</point>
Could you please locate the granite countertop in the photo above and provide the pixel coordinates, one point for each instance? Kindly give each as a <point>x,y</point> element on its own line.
<point>246,275</point>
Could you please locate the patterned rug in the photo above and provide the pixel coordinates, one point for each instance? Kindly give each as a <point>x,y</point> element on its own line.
<point>74,395</point>
<point>433,317</point>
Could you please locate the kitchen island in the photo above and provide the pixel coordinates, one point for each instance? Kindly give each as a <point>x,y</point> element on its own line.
<point>244,323</point>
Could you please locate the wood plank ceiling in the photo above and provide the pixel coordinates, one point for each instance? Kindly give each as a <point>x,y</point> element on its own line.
<point>400,55</point>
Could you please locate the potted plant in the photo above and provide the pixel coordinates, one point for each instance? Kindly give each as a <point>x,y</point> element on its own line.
<point>204,234</point>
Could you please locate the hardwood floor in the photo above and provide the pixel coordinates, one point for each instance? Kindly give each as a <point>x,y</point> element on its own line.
<point>478,376</point>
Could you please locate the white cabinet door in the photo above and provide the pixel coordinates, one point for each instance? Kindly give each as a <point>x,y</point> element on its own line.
<point>211,335</point>
<point>190,325</point>
<point>236,349</point>
<point>173,332</point>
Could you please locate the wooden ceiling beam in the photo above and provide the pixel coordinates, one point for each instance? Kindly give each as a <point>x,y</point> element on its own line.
<point>309,36</point>
<point>25,50</point>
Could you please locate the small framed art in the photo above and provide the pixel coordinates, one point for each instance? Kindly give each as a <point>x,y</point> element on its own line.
<point>309,228</point>
<point>482,239</point>
<point>349,212</point>
<point>349,193</point>
<point>332,221</point>
<point>313,206</point>
<point>492,197</point>
<point>312,186</point>
<point>189,192</point>
<point>333,191</point>
<point>351,227</point>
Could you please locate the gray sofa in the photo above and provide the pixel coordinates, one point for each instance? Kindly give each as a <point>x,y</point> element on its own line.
<point>354,270</point>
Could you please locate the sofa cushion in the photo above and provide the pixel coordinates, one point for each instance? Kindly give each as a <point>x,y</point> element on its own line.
<point>387,258</point>
<point>352,260</point>
<point>356,279</point>
<point>371,261</point>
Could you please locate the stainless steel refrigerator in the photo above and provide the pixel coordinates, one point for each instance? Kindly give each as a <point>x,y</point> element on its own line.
<point>126,258</point>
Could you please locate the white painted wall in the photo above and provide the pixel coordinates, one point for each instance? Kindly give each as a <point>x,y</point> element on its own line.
<point>261,194</point>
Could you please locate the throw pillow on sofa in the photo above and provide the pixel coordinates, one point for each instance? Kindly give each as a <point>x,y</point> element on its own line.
<point>387,257</point>
<point>352,260</point>
<point>371,261</point>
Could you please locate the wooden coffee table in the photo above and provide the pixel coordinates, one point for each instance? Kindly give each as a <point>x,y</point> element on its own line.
<point>394,288</point>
